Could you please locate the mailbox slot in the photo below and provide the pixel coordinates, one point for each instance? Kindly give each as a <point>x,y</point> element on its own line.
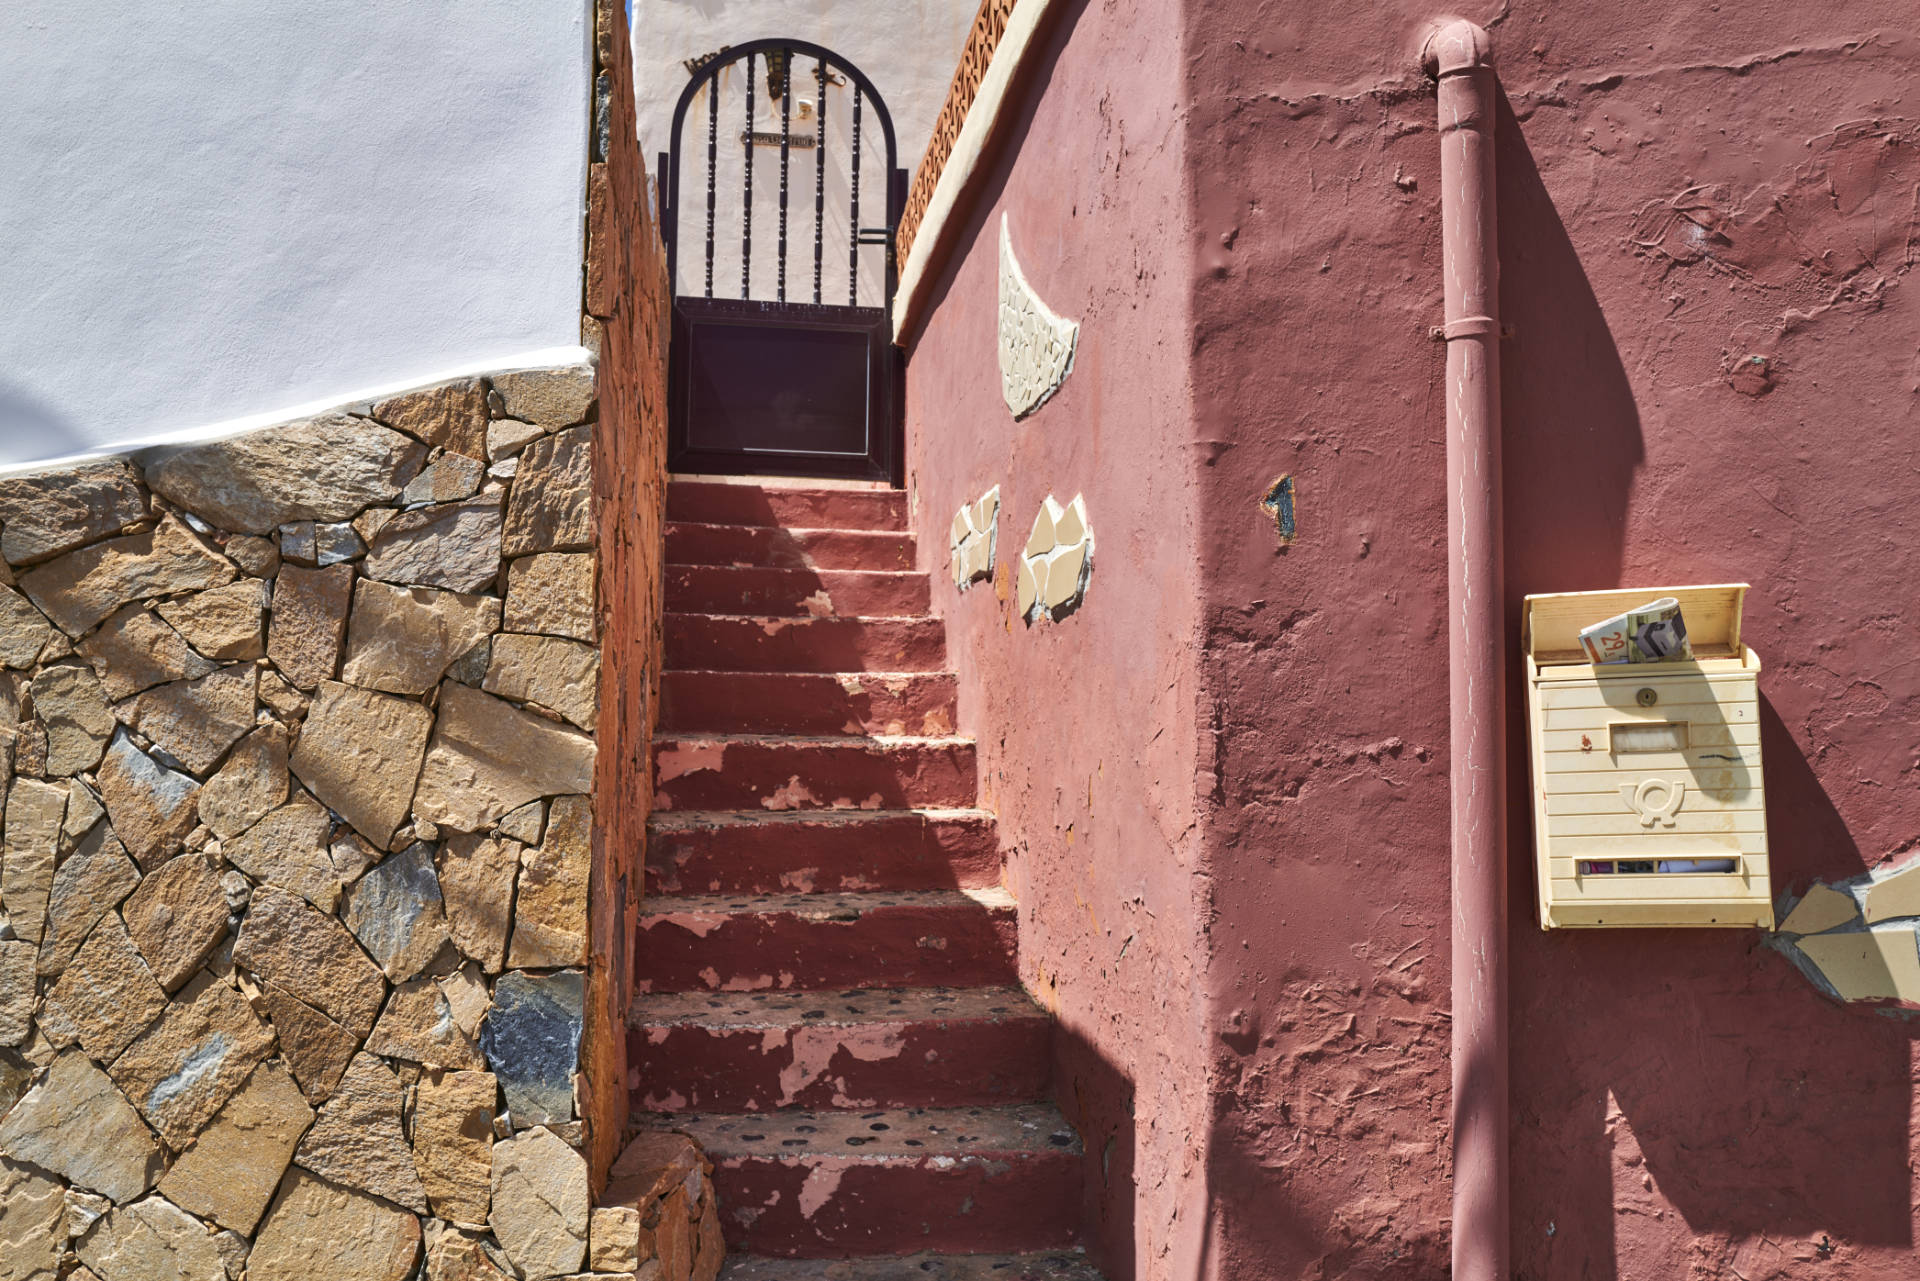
<point>1649,805</point>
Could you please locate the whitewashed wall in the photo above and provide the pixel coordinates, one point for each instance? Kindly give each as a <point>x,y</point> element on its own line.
<point>908,48</point>
<point>217,213</point>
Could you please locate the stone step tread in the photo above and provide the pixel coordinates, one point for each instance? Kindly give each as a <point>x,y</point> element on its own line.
<point>874,742</point>
<point>890,1134</point>
<point>827,907</point>
<point>778,505</point>
<point>849,1008</point>
<point>1055,1266</point>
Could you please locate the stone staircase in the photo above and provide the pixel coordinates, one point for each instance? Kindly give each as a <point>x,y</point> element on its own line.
<point>829,995</point>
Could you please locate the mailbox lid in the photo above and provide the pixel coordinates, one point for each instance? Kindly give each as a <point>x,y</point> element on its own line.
<point>1552,622</point>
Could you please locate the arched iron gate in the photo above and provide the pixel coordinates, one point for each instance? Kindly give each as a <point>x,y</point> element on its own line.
<point>771,371</point>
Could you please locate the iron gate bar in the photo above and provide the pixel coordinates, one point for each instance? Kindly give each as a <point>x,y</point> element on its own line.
<point>853,220</point>
<point>713,167</point>
<point>786,139</point>
<point>746,221</point>
<point>819,169</point>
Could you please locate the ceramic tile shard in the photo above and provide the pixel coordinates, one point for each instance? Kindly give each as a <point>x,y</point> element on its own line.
<point>1822,909</point>
<point>1057,562</point>
<point>1036,344</point>
<point>1872,965</point>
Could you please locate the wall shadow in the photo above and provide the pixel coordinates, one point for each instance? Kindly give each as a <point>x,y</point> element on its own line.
<point>1658,1070</point>
<point>31,429</point>
<point>1097,1098</point>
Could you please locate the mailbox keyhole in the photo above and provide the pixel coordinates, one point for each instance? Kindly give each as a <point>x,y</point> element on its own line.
<point>1647,697</point>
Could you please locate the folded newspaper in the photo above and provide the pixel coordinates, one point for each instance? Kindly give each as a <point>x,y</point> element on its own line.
<point>1653,633</point>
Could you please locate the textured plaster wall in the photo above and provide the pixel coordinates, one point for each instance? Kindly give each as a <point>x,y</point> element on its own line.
<point>222,212</point>
<point>1087,728</point>
<point>1683,188</point>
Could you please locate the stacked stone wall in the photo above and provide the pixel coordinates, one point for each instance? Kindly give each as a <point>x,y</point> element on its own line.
<point>299,749</point>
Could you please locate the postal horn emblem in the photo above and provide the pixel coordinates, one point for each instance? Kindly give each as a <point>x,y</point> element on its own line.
<point>1655,800</point>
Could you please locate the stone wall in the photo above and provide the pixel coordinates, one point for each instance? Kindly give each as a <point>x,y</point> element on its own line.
<point>297,838</point>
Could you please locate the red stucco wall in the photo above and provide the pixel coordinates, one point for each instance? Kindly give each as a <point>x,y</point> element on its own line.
<point>1241,199</point>
<point>1088,727</point>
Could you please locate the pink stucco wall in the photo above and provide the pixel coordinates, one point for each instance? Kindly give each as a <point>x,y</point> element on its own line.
<point>1239,201</point>
<point>1088,728</point>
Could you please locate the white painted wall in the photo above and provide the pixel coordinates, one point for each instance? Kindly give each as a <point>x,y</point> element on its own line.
<point>908,48</point>
<point>215,212</point>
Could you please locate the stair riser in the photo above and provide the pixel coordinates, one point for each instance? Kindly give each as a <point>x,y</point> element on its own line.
<point>788,548</point>
<point>718,589</point>
<point>904,852</point>
<point>712,643</point>
<point>807,703</point>
<point>874,1065</point>
<point>807,508</point>
<point>702,775</point>
<point>824,1207</point>
<point>913,946</point>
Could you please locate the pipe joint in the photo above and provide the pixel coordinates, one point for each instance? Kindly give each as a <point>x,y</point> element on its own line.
<point>1457,47</point>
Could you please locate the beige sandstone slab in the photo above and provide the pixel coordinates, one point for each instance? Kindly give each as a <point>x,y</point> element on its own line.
<point>550,909</point>
<point>92,881</point>
<point>455,546</point>
<point>230,1173</point>
<point>489,757</point>
<point>24,630</point>
<point>551,398</point>
<point>255,554</point>
<point>309,622</point>
<point>108,995</point>
<point>77,1124</point>
<point>288,849</point>
<point>550,508</point>
<point>552,593</point>
<point>251,784</point>
<point>318,1229</point>
<point>402,639</point>
<point>457,1256</point>
<point>312,956</point>
<point>452,414</point>
<point>83,811</point>
<point>418,1026</point>
<point>560,675</point>
<point>323,469</point>
<point>360,753</point>
<point>151,806</point>
<point>56,511</point>
<point>135,650</point>
<point>17,991</point>
<point>357,1142</point>
<point>82,587</point>
<point>476,882</point>
<point>33,818</point>
<point>151,1240</point>
<point>227,624</point>
<point>196,721</point>
<point>33,1212</point>
<point>447,479</point>
<point>70,702</point>
<point>541,1204</point>
<point>184,1068</point>
<point>178,916</point>
<point>453,1143</point>
<point>525,824</point>
<point>506,437</point>
<point>316,1048</point>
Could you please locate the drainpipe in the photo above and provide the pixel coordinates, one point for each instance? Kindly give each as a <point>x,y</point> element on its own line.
<point>1459,54</point>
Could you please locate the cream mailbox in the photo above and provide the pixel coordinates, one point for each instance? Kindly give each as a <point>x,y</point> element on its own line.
<point>1647,799</point>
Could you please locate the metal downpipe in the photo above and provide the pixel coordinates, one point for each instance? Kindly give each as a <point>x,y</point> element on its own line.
<point>1459,54</point>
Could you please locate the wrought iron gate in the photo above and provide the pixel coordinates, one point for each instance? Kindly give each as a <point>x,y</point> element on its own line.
<point>764,383</point>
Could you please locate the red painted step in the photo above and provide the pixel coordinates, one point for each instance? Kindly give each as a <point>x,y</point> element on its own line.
<point>913,1047</point>
<point>813,593</point>
<point>817,1184</point>
<point>821,851</point>
<point>710,503</point>
<point>802,942</point>
<point>814,703</point>
<point>717,642</point>
<point>777,773</point>
<point>1054,1265</point>
<point>692,544</point>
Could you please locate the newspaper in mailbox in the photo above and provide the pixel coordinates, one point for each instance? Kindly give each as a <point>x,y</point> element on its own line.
<point>1653,633</point>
